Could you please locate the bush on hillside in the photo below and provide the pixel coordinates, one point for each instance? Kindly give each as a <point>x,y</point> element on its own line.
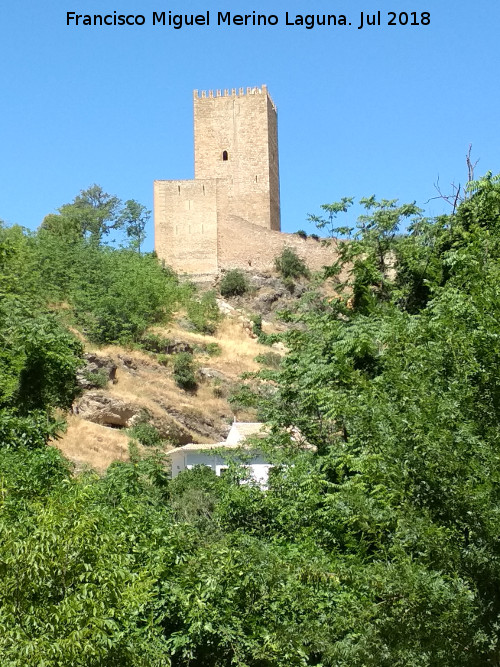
<point>211,349</point>
<point>290,265</point>
<point>122,294</point>
<point>184,371</point>
<point>113,294</point>
<point>146,434</point>
<point>204,313</point>
<point>153,342</point>
<point>271,359</point>
<point>257,324</point>
<point>233,283</point>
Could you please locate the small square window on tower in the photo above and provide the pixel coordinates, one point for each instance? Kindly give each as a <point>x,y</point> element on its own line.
<point>225,156</point>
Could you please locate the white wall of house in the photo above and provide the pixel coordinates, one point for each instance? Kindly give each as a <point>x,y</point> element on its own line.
<point>185,459</point>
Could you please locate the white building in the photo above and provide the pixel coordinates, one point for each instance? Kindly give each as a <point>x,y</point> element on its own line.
<point>217,456</point>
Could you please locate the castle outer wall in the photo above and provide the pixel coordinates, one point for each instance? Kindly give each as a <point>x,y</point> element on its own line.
<point>243,246</point>
<point>186,225</point>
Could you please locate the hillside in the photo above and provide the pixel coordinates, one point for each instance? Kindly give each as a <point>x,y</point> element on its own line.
<point>375,547</point>
<point>141,387</point>
<point>143,384</point>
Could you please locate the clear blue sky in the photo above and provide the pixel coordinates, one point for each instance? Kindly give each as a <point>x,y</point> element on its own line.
<point>381,110</point>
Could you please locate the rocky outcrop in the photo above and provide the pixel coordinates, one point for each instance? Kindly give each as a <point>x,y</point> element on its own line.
<point>212,374</point>
<point>202,427</point>
<point>177,346</point>
<point>177,427</point>
<point>171,430</point>
<point>267,294</point>
<point>166,345</point>
<point>224,307</point>
<point>265,303</point>
<point>107,410</point>
<point>97,372</point>
<point>128,363</point>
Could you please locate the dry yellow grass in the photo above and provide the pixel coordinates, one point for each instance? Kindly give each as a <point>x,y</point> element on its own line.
<point>151,386</point>
<point>238,348</point>
<point>89,444</point>
<point>115,350</point>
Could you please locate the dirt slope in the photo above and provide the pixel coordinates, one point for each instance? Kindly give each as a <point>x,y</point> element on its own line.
<point>143,388</point>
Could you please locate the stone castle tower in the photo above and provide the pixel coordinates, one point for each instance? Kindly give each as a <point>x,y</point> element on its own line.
<point>236,179</point>
<point>228,217</point>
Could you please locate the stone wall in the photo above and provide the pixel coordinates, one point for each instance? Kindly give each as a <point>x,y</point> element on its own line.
<point>186,224</point>
<point>274,176</point>
<point>235,139</point>
<point>229,215</point>
<point>242,245</point>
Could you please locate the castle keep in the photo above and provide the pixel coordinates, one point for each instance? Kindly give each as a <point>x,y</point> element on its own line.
<point>228,216</point>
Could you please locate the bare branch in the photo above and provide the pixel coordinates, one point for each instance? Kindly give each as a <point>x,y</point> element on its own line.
<point>458,194</point>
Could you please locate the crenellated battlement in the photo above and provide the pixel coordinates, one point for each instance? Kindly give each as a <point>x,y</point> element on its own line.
<point>233,92</point>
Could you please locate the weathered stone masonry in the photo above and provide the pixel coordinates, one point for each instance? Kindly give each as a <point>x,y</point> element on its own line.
<point>229,215</point>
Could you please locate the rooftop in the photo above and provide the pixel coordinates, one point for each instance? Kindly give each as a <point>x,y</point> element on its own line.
<point>239,432</point>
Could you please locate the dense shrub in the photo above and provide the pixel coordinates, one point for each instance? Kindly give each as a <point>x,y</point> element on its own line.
<point>256,324</point>
<point>290,265</point>
<point>243,396</point>
<point>272,359</point>
<point>38,360</point>
<point>147,434</point>
<point>113,294</point>
<point>97,379</point>
<point>155,343</point>
<point>203,313</point>
<point>185,371</point>
<point>212,349</point>
<point>301,233</point>
<point>123,294</point>
<point>233,283</point>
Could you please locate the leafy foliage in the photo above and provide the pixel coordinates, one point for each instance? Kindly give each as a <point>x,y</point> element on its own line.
<point>212,349</point>
<point>147,434</point>
<point>329,220</point>
<point>377,549</point>
<point>184,371</point>
<point>114,294</point>
<point>155,343</point>
<point>203,313</point>
<point>92,214</point>
<point>38,360</point>
<point>290,265</point>
<point>233,283</point>
<point>134,218</point>
<point>97,379</point>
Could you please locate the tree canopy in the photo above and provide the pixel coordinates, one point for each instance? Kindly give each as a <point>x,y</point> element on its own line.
<point>378,549</point>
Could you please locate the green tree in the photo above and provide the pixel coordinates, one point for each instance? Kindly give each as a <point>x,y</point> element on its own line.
<point>402,406</point>
<point>134,217</point>
<point>332,211</point>
<point>92,214</point>
<point>119,293</point>
<point>184,371</point>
